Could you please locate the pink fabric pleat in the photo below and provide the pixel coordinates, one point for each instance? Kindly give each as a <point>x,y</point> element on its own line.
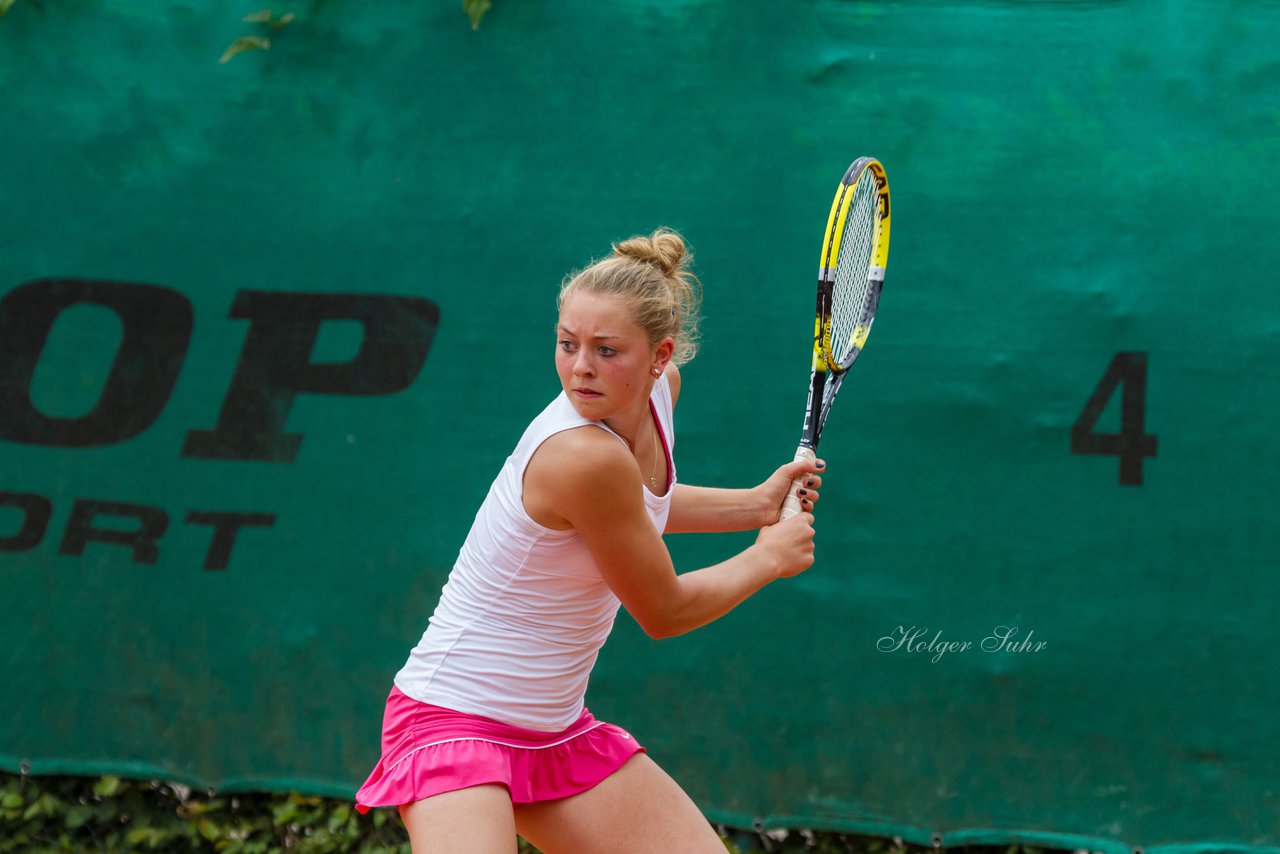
<point>428,750</point>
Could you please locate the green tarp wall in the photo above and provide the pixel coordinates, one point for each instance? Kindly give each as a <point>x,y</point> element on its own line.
<point>230,498</point>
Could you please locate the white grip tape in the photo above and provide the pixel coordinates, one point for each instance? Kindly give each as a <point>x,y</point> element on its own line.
<point>791,506</point>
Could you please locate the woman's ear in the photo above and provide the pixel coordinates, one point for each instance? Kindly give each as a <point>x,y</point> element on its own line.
<point>662,355</point>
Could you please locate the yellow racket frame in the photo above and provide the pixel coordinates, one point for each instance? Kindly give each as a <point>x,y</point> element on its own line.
<point>823,356</point>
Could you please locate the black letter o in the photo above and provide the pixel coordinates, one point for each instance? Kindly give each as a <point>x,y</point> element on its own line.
<point>157,325</point>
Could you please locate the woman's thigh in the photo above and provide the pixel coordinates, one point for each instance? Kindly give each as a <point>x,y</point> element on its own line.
<point>478,819</point>
<point>638,808</point>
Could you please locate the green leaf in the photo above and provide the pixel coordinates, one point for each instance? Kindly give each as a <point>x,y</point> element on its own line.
<point>338,817</point>
<point>284,813</point>
<point>46,805</point>
<point>245,43</point>
<point>475,10</point>
<point>4,7</point>
<point>107,787</point>
<point>209,830</point>
<point>11,801</point>
<point>139,835</point>
<point>79,816</point>
<point>266,16</point>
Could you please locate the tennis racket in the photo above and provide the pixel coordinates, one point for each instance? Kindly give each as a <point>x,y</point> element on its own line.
<point>855,250</point>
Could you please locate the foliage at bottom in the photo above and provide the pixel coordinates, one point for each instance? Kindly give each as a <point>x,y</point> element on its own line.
<point>112,814</point>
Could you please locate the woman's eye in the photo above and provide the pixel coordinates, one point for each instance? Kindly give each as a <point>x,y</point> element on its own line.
<point>567,346</point>
<point>607,351</point>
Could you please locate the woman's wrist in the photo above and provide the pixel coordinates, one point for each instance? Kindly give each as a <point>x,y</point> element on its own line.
<point>763,511</point>
<point>766,565</point>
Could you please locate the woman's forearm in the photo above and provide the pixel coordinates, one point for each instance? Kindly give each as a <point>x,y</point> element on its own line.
<point>702,509</point>
<point>707,594</point>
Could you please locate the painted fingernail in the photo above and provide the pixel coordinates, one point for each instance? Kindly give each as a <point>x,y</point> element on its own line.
<point>820,464</point>
<point>804,492</point>
<point>809,482</point>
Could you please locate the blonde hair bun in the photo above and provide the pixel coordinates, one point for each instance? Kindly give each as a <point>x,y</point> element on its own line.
<point>664,248</point>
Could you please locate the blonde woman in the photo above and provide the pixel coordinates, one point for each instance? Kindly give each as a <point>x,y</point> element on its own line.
<point>485,733</point>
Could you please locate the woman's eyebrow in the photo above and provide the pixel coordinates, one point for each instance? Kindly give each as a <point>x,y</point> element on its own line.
<point>566,330</point>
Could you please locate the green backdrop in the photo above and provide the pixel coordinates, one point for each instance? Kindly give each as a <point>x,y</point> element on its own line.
<point>217,548</point>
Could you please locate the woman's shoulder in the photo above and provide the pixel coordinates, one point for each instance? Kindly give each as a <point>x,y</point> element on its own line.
<point>574,465</point>
<point>587,448</point>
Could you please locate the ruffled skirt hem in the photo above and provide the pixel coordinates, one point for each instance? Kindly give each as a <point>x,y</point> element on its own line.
<point>428,750</point>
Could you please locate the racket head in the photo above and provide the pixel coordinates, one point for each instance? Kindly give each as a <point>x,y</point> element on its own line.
<point>855,252</point>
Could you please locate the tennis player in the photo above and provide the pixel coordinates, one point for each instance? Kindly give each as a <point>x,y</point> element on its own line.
<point>485,733</point>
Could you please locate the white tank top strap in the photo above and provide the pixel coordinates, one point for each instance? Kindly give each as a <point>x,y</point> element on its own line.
<point>558,417</point>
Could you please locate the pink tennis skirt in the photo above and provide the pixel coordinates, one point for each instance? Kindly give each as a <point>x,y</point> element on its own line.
<point>428,750</point>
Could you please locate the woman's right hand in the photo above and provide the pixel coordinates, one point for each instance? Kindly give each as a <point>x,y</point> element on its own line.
<point>789,544</point>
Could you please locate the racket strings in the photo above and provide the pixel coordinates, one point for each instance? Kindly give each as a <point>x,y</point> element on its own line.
<point>852,290</point>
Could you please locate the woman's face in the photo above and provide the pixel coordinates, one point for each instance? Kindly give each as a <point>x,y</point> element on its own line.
<point>603,356</point>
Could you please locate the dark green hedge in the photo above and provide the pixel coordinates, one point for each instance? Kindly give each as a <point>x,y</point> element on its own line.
<point>114,814</point>
<point>108,814</point>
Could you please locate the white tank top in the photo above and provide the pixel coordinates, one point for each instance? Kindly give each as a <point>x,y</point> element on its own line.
<point>525,611</point>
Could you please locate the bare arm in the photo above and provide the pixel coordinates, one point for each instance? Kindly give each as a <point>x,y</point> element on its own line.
<point>701,509</point>
<point>704,509</point>
<point>587,479</point>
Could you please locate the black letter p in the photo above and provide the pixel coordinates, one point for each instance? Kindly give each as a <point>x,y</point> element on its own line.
<point>275,365</point>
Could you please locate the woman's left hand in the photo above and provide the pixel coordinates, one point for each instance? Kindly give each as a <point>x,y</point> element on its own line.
<point>774,490</point>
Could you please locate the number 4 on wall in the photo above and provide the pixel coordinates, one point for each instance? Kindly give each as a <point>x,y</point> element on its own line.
<point>1131,444</point>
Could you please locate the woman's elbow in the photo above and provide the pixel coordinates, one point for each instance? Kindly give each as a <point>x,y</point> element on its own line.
<point>661,627</point>
<point>658,631</point>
